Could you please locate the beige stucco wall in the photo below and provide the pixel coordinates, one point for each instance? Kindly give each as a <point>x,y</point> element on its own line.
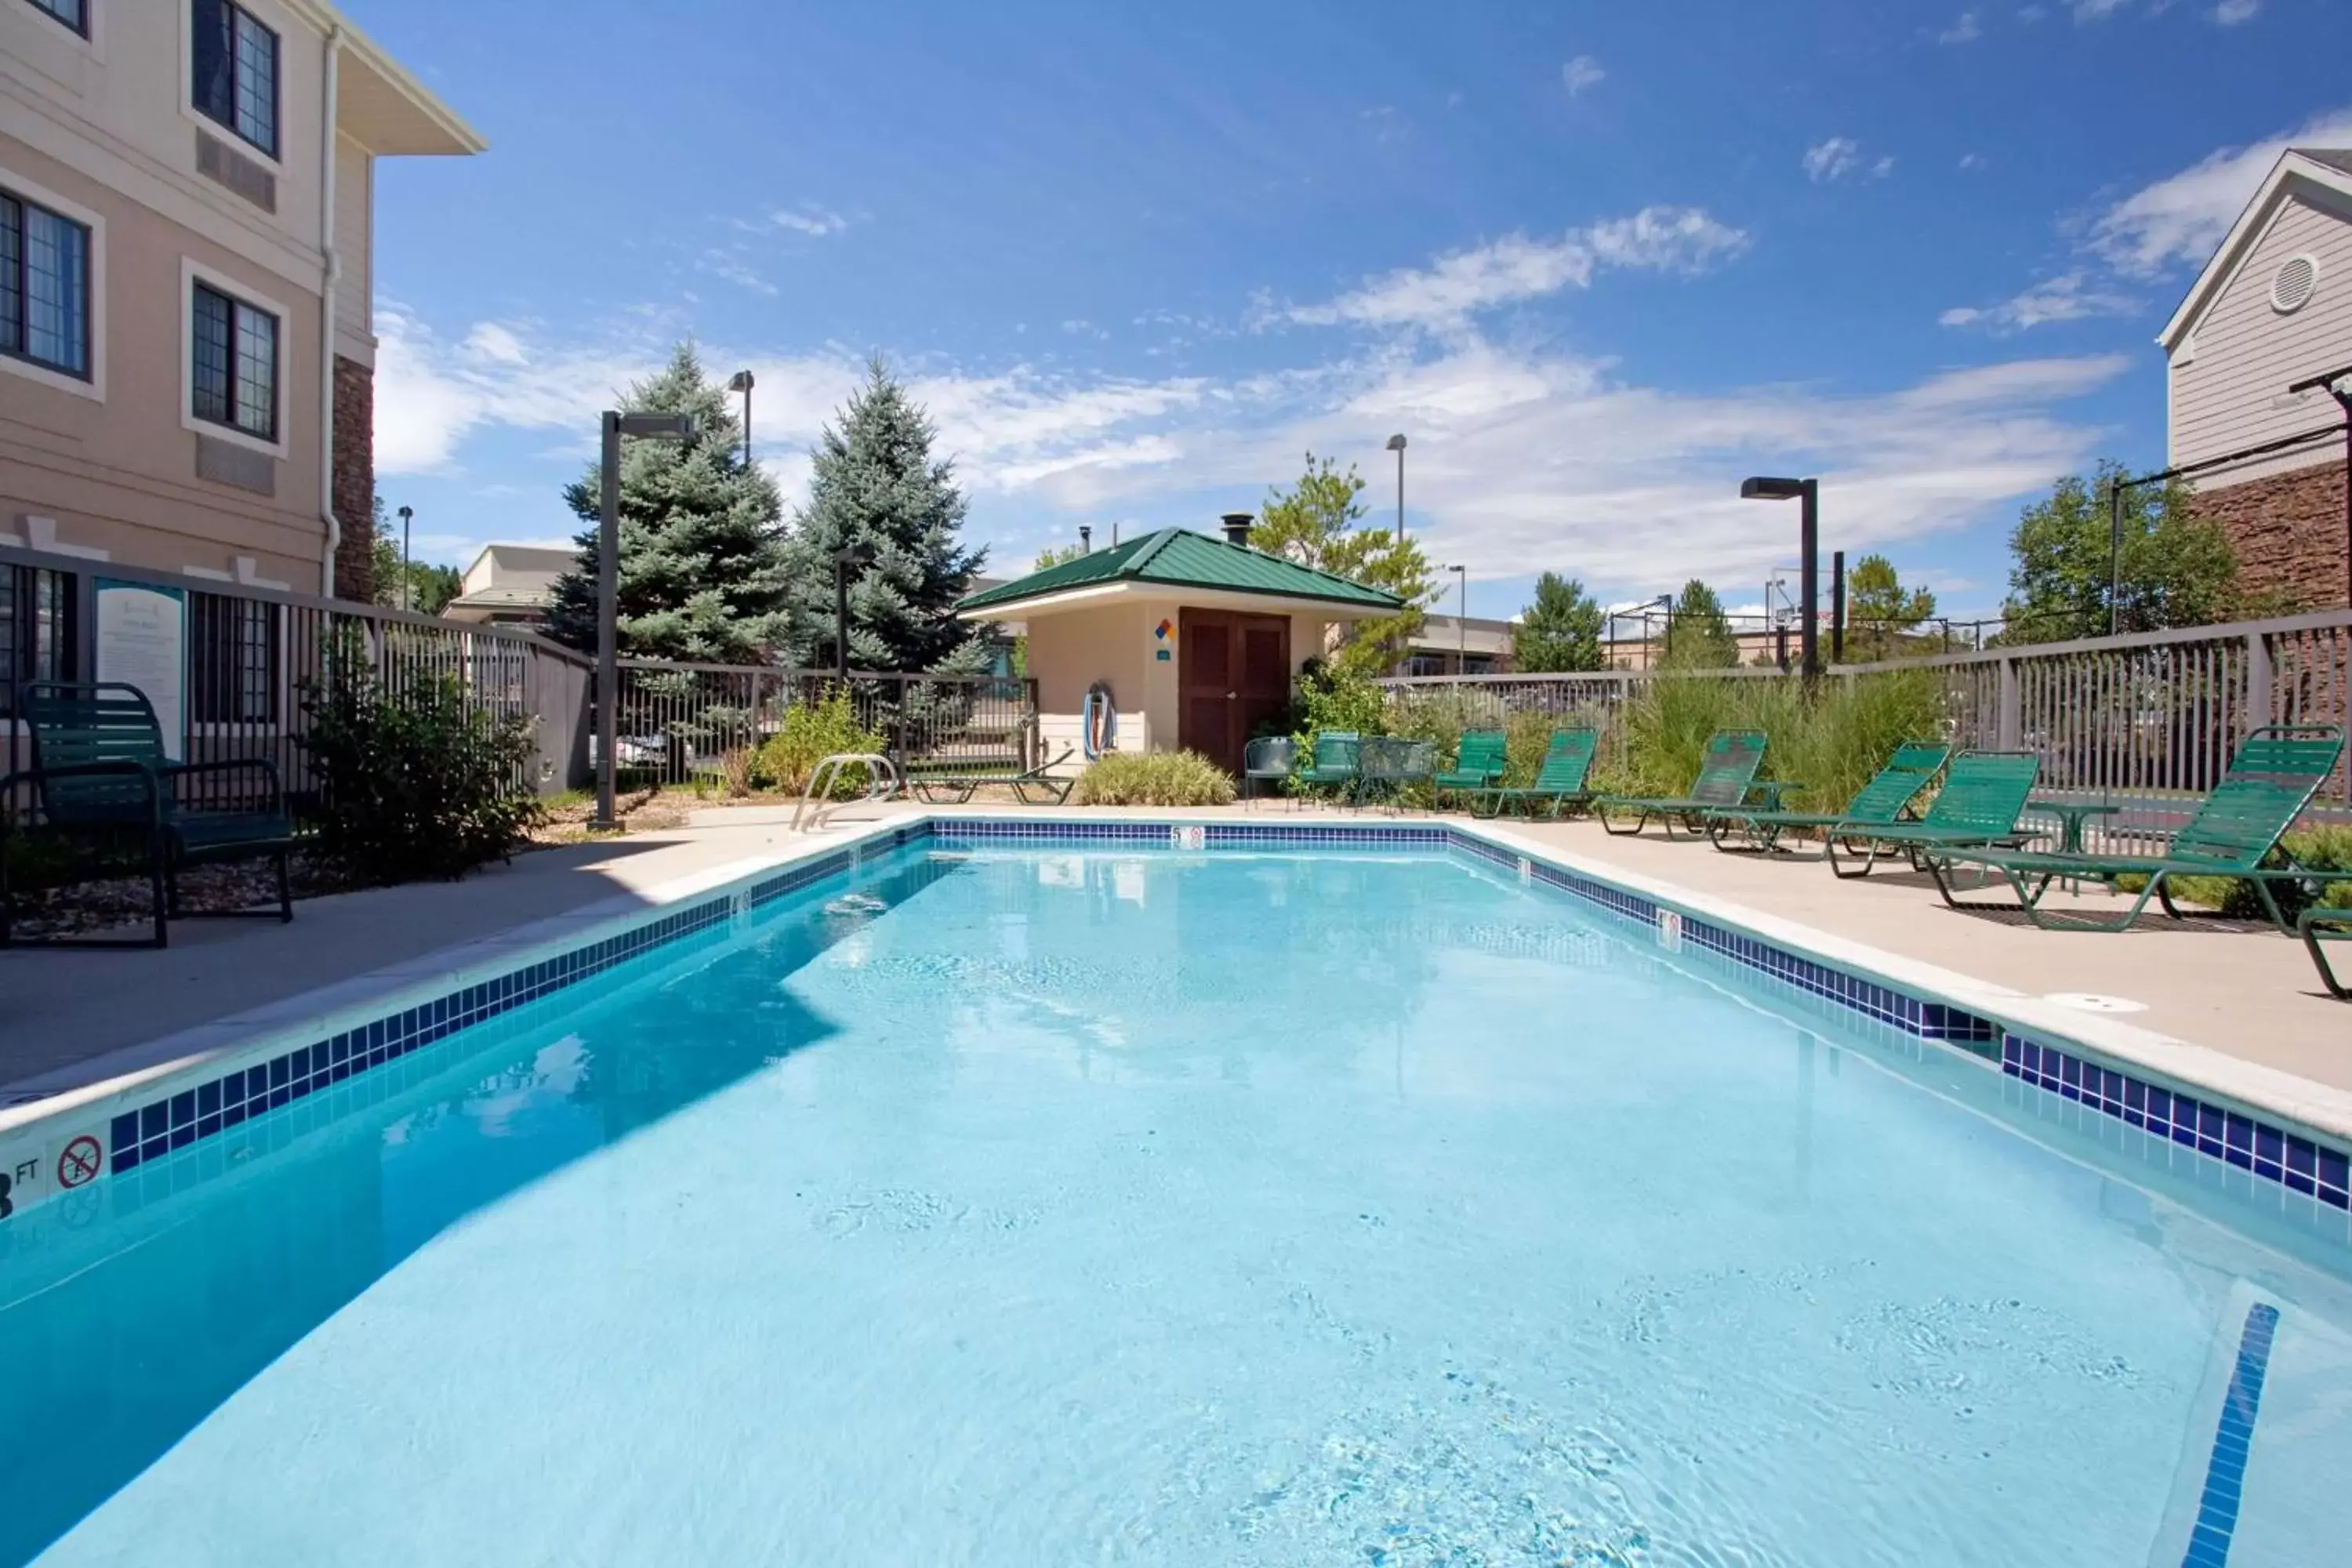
<point>102,129</point>
<point>2227,381</point>
<point>1069,650</point>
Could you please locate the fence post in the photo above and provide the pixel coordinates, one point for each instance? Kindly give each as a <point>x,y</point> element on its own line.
<point>2011,723</point>
<point>2262,696</point>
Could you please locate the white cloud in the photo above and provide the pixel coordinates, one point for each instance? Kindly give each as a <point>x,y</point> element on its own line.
<point>728,262</point>
<point>1582,72</point>
<point>814,221</point>
<point>2097,10</point>
<point>429,396</point>
<point>2229,13</point>
<point>1833,159</point>
<point>2183,217</point>
<point>1971,161</point>
<point>1884,167</point>
<point>2069,297</point>
<point>1965,30</point>
<point>1446,294</point>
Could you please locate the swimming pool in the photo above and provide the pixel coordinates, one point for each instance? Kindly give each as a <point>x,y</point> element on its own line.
<point>1001,1201</point>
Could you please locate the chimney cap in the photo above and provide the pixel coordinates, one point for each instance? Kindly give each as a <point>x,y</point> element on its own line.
<point>1238,527</point>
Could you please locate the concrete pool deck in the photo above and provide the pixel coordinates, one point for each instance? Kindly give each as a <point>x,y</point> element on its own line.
<point>69,1019</point>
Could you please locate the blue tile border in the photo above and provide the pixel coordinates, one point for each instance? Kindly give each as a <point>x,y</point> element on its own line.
<point>2233,1443</point>
<point>186,1114</point>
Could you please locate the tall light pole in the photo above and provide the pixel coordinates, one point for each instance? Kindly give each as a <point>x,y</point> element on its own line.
<point>653,427</point>
<point>1396,444</point>
<point>741,381</point>
<point>1461,620</point>
<point>407,574</point>
<point>1809,550</point>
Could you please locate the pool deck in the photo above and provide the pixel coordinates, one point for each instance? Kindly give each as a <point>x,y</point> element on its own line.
<point>68,1020</point>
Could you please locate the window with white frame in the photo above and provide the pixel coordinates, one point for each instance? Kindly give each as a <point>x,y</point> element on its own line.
<point>233,362</point>
<point>235,65</point>
<point>74,14</point>
<point>44,287</point>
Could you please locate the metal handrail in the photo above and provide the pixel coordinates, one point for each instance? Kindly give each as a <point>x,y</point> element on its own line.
<point>881,784</point>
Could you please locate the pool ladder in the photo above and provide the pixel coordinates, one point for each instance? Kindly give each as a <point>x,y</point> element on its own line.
<point>882,783</point>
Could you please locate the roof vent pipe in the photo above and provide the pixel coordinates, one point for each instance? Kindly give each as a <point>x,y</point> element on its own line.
<point>1086,540</point>
<point>1238,527</point>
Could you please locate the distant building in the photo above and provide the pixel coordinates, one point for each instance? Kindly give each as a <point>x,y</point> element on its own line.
<point>2273,308</point>
<point>1450,645</point>
<point>509,586</point>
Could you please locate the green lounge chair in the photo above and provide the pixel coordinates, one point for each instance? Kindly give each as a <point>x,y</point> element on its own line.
<point>1983,796</point>
<point>2273,776</point>
<point>100,776</point>
<point>1559,782</point>
<point>1883,800</point>
<point>2322,924</point>
<point>1335,761</point>
<point>1477,765</point>
<point>957,783</point>
<point>1726,772</point>
<point>1390,765</point>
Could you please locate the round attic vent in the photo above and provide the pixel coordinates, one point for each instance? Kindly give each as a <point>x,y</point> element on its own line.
<point>2291,287</point>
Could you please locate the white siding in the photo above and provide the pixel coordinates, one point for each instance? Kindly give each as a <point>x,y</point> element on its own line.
<point>355,251</point>
<point>2229,394</point>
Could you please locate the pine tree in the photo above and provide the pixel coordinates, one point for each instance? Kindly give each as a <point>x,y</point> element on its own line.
<point>703,564</point>
<point>1698,634</point>
<point>1560,631</point>
<point>1880,612</point>
<point>1314,523</point>
<point>876,492</point>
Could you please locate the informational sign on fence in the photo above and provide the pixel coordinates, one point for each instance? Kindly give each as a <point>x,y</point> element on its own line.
<point>142,641</point>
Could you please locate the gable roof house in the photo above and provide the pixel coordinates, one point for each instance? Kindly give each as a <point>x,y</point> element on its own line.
<point>2273,308</point>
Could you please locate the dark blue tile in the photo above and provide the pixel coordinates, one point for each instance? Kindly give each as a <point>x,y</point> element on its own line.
<point>123,1134</point>
<point>155,1119</point>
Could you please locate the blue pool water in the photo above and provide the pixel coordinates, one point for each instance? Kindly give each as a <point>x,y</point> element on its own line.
<point>1045,1208</point>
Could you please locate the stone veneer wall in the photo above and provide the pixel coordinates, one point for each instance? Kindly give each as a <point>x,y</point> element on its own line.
<point>354,486</point>
<point>2288,530</point>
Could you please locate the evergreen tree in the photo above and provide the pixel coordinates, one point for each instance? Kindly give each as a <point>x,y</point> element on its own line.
<point>877,493</point>
<point>1560,631</point>
<point>703,566</point>
<point>1880,612</point>
<point>1313,524</point>
<point>428,588</point>
<point>1698,635</point>
<point>2177,569</point>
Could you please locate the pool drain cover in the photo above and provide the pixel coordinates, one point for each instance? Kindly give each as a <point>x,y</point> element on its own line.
<point>2088,1002</point>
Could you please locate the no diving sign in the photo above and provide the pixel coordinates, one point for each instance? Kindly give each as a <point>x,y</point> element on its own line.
<point>79,1162</point>
<point>30,1174</point>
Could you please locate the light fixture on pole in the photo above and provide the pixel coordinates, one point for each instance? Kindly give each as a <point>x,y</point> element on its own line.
<point>650,427</point>
<point>407,576</point>
<point>1462,622</point>
<point>1809,573</point>
<point>2338,384</point>
<point>741,381</point>
<point>1396,444</point>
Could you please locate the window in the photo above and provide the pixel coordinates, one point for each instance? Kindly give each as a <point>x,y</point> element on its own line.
<point>44,287</point>
<point>233,377</point>
<point>35,629</point>
<point>236,68</point>
<point>233,660</point>
<point>74,14</point>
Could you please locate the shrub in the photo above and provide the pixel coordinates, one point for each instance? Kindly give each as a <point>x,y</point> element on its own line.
<point>1153,778</point>
<point>810,732</point>
<point>1832,742</point>
<point>416,783</point>
<point>2317,849</point>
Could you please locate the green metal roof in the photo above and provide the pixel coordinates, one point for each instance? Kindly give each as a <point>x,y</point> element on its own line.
<point>1179,558</point>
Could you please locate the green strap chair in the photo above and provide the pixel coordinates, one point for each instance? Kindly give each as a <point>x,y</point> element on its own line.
<point>99,777</point>
<point>1336,761</point>
<point>2273,776</point>
<point>1883,799</point>
<point>1477,765</point>
<point>1268,759</point>
<point>1726,772</point>
<point>1388,765</point>
<point>2325,923</point>
<point>1983,796</point>
<point>1559,782</point>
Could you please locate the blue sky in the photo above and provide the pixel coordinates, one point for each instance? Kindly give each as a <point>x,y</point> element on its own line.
<point>1596,261</point>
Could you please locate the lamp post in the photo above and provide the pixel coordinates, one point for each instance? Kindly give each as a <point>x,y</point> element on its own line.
<point>2336,382</point>
<point>1396,444</point>
<point>651,426</point>
<point>741,381</point>
<point>1462,622</point>
<point>1809,575</point>
<point>407,576</point>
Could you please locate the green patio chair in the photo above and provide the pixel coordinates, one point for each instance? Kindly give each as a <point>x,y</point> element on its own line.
<point>956,782</point>
<point>1983,795</point>
<point>1390,765</point>
<point>1334,763</point>
<point>99,778</point>
<point>2323,922</point>
<point>1726,772</point>
<point>1269,759</point>
<point>1559,782</point>
<point>1478,764</point>
<point>2273,776</point>
<point>1883,799</point>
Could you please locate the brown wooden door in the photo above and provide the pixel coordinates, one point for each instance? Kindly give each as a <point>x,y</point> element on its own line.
<point>1232,674</point>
